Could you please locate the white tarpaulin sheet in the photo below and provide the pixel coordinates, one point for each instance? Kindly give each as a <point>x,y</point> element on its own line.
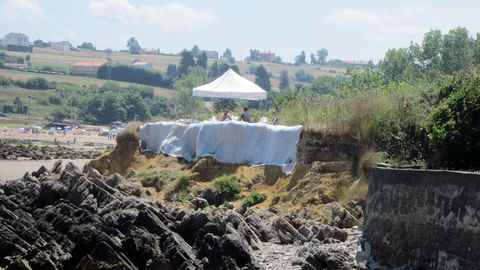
<point>228,142</point>
<point>230,85</point>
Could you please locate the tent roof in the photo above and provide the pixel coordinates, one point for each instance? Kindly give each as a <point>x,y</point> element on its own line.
<point>230,85</point>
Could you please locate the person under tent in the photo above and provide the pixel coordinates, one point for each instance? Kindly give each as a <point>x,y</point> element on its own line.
<point>245,117</point>
<point>225,116</point>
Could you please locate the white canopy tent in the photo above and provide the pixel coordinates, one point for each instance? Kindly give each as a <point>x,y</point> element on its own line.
<point>231,85</point>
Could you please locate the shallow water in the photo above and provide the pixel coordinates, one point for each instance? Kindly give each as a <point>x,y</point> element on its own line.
<point>12,169</point>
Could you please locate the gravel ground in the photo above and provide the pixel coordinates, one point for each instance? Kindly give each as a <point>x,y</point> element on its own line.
<point>276,256</point>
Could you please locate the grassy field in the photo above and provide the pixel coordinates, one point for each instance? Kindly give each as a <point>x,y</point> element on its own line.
<point>37,113</point>
<point>46,57</point>
<point>20,75</point>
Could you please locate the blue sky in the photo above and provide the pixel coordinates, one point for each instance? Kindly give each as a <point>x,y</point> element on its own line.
<point>350,30</point>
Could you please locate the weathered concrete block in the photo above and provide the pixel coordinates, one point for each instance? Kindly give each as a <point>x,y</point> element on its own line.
<point>424,219</point>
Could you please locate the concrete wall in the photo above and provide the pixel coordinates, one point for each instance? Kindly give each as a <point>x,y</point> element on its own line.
<point>424,219</point>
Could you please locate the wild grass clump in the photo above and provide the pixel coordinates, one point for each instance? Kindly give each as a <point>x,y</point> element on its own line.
<point>228,187</point>
<point>254,198</point>
<point>156,179</point>
<point>282,197</point>
<point>179,186</point>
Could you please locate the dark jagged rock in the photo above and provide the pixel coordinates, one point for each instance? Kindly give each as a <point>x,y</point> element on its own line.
<point>322,232</point>
<point>343,218</point>
<point>13,149</point>
<point>69,219</point>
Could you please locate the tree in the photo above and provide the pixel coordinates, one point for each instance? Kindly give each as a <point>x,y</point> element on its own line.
<point>262,78</point>
<point>399,65</point>
<point>186,62</point>
<point>235,68</point>
<point>213,73</point>
<point>131,74</point>
<point>196,51</point>
<point>202,60</point>
<point>457,50</point>
<point>40,44</point>
<point>284,83</point>
<point>300,59</point>
<point>184,102</point>
<point>172,71</point>
<point>136,107</point>
<point>27,58</point>
<point>313,60</point>
<point>476,49</point>
<point>430,55</point>
<point>163,107</point>
<point>325,84</point>
<point>59,114</point>
<point>277,60</point>
<point>322,56</point>
<point>224,104</point>
<point>17,101</point>
<point>87,46</point>
<point>134,46</point>
<point>253,54</point>
<point>302,76</point>
<point>455,120</point>
<point>228,55</point>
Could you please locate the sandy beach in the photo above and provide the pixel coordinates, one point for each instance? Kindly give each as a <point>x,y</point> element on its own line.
<point>12,133</point>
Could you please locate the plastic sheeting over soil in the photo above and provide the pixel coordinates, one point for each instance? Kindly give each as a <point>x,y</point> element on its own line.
<point>228,142</point>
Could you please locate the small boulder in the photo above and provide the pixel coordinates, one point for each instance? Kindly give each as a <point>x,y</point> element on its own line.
<point>199,203</point>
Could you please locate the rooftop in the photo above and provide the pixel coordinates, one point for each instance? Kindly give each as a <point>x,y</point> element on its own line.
<point>88,64</point>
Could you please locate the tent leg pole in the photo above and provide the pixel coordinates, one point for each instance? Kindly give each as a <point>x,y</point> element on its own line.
<point>193,109</point>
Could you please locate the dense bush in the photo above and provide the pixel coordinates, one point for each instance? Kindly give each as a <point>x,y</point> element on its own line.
<point>402,135</point>
<point>228,187</point>
<point>134,75</point>
<point>302,76</point>
<point>61,113</point>
<point>38,84</point>
<point>455,124</point>
<point>163,107</point>
<point>224,104</point>
<point>254,198</point>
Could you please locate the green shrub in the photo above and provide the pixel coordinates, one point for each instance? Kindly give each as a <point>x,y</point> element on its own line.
<point>228,187</point>
<point>158,180</point>
<point>254,198</point>
<point>38,83</point>
<point>401,134</point>
<point>182,182</point>
<point>455,125</point>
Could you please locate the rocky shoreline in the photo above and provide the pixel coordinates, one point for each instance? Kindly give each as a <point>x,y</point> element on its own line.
<point>69,219</point>
<point>14,150</point>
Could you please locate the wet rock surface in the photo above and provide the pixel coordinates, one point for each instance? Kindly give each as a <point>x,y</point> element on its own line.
<point>63,218</point>
<point>14,150</point>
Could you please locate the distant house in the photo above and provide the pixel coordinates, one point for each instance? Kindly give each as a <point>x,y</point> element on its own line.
<point>144,65</point>
<point>15,66</point>
<point>64,46</point>
<point>151,51</point>
<point>356,62</point>
<point>17,39</point>
<point>212,55</point>
<point>86,68</point>
<point>16,42</point>
<point>266,56</point>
